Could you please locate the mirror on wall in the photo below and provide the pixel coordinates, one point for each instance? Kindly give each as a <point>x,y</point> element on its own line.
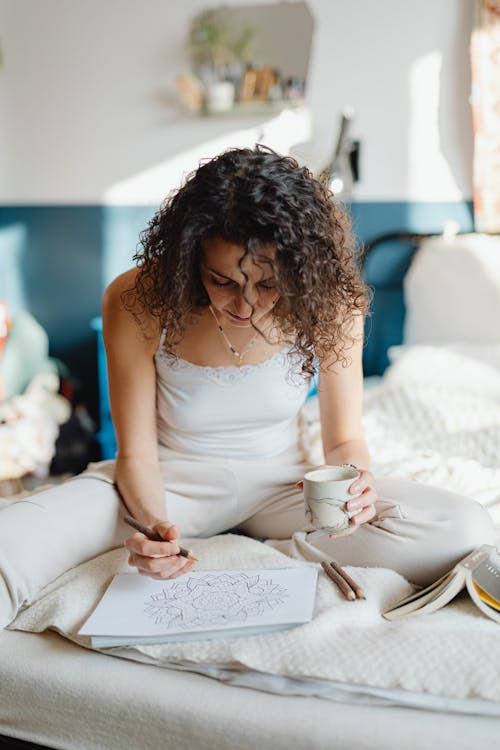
<point>247,59</point>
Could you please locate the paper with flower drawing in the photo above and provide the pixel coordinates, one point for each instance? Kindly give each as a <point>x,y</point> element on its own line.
<point>202,604</point>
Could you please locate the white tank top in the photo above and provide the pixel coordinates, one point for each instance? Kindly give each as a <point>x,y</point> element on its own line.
<point>234,412</point>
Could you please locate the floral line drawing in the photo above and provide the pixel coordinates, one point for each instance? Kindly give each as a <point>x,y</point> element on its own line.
<point>214,600</point>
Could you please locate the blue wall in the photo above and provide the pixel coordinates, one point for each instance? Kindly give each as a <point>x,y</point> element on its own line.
<point>55,262</point>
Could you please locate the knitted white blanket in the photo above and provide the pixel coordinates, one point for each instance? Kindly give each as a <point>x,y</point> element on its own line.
<point>453,653</point>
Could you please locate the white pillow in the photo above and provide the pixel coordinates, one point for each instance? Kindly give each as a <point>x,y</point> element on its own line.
<point>472,367</point>
<point>452,291</point>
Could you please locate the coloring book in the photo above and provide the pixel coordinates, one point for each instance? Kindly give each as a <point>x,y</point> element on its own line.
<point>202,604</point>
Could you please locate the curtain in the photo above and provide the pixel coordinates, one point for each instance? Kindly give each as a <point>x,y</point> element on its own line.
<point>485,100</point>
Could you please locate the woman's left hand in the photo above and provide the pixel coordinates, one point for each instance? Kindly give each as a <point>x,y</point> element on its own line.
<point>363,504</point>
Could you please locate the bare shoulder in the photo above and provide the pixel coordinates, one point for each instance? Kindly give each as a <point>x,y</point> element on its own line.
<point>112,297</point>
<point>340,363</point>
<point>124,315</point>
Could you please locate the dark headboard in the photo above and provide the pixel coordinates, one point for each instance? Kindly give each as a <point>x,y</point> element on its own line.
<point>385,261</point>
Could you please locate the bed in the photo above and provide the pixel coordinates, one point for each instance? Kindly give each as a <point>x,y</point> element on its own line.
<point>434,417</point>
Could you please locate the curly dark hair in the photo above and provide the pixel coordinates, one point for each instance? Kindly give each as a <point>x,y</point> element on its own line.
<point>256,197</point>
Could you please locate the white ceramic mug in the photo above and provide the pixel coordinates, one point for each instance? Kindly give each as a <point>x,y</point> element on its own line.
<point>326,492</point>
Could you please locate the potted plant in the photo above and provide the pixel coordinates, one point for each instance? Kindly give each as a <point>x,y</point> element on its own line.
<point>220,54</point>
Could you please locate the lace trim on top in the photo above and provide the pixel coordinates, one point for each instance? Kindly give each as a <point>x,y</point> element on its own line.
<point>223,373</point>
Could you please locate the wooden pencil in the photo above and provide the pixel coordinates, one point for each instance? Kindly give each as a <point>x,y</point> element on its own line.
<point>339,581</point>
<point>156,537</point>
<point>352,583</point>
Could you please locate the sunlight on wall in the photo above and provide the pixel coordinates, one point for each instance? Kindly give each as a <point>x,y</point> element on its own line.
<point>130,203</point>
<point>150,186</point>
<point>429,175</point>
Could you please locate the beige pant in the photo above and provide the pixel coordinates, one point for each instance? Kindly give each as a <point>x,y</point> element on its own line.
<point>420,531</point>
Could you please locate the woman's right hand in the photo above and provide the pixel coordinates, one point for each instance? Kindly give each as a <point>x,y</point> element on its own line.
<point>159,560</point>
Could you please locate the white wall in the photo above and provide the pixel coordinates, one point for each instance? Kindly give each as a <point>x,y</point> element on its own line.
<point>404,66</point>
<point>86,96</point>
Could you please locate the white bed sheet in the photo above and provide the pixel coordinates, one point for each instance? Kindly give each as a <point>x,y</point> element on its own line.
<point>55,693</point>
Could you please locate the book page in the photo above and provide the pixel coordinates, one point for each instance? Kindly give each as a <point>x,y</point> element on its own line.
<point>444,595</point>
<point>488,610</point>
<point>486,598</point>
<point>432,599</point>
<point>487,575</point>
<point>217,600</point>
<point>425,593</point>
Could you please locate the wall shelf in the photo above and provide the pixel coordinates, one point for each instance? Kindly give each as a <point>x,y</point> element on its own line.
<point>256,108</point>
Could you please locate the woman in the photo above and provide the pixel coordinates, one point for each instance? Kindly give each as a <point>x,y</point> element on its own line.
<point>245,280</point>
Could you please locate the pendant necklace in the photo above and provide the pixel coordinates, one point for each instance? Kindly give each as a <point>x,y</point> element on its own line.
<point>238,355</point>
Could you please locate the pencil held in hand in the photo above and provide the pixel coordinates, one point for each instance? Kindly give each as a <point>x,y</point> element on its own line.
<point>156,537</point>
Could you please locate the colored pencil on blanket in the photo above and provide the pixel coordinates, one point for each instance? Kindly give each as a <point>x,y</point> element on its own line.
<point>352,583</point>
<point>339,581</point>
<point>156,537</point>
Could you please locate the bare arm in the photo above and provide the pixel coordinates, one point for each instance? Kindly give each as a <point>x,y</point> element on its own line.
<point>340,394</point>
<point>132,390</point>
<point>131,376</point>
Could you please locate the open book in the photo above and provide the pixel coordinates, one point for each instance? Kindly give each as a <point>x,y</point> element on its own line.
<point>479,572</point>
<point>202,604</point>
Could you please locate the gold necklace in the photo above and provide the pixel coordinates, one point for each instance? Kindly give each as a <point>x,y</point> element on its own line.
<point>241,354</point>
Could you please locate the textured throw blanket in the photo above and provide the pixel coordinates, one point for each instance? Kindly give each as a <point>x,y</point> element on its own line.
<point>346,642</point>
